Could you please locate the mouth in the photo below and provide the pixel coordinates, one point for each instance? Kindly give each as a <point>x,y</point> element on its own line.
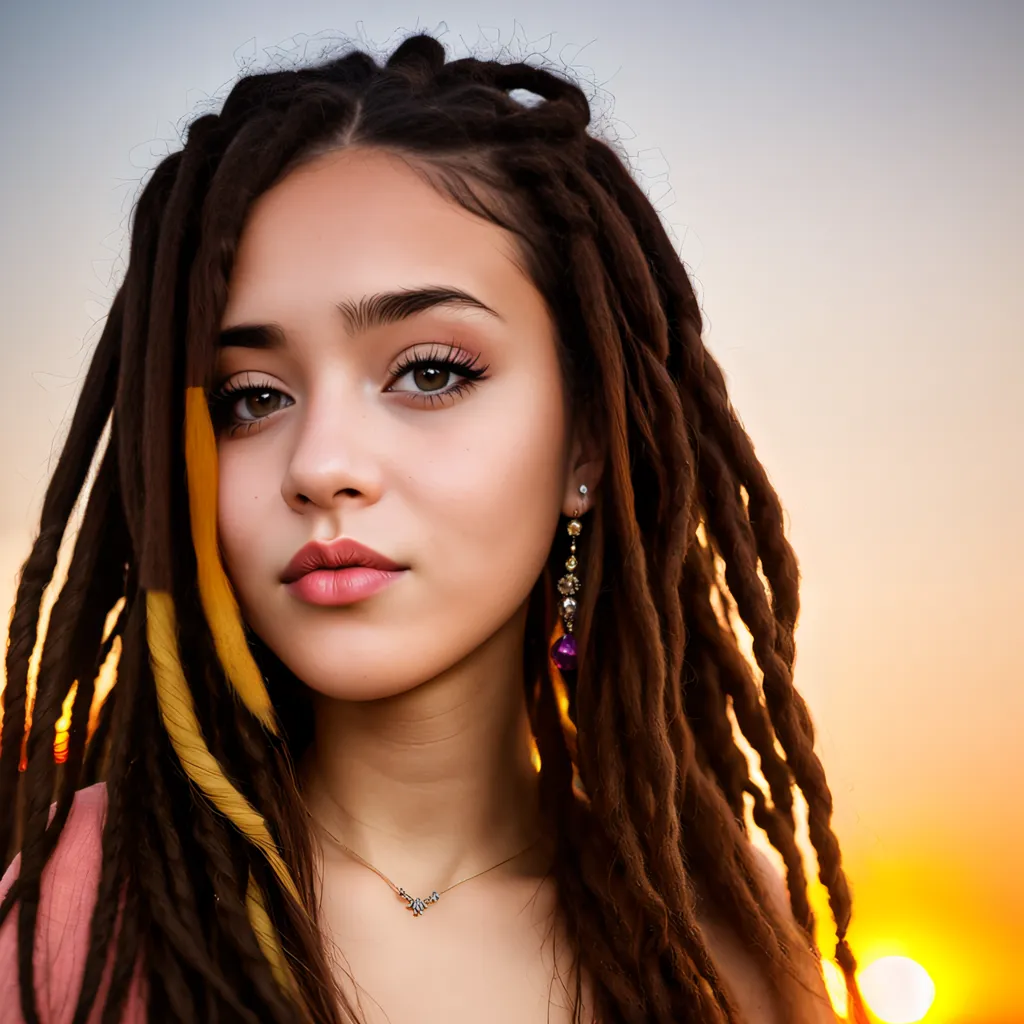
<point>337,554</point>
<point>338,572</point>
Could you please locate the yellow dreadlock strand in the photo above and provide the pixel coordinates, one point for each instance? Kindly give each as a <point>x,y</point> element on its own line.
<point>179,716</point>
<point>266,936</point>
<point>215,591</point>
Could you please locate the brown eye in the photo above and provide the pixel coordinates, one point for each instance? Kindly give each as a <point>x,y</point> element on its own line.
<point>431,378</point>
<point>254,405</point>
<point>246,406</point>
<point>441,372</point>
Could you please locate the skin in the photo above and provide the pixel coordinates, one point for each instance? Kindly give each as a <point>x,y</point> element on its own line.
<point>422,757</point>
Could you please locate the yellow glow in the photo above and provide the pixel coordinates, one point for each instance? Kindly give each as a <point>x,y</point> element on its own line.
<point>897,989</point>
<point>111,619</point>
<point>63,723</point>
<point>61,739</point>
<point>835,986</point>
<point>105,682</point>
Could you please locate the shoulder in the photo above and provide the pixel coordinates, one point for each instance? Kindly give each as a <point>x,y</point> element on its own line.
<point>67,898</point>
<point>743,976</point>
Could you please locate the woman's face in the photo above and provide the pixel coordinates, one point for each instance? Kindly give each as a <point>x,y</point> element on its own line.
<point>433,433</point>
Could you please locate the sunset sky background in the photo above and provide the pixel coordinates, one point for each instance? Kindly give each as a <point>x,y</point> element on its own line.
<point>845,183</point>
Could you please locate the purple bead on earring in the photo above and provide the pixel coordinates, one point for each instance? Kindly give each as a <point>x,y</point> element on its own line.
<point>563,651</point>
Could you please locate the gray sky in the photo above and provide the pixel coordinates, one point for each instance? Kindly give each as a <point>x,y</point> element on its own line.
<point>845,183</point>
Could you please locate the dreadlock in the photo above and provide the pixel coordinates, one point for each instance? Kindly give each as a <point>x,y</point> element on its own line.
<point>213,896</point>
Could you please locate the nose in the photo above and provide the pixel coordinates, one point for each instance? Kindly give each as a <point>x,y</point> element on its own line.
<point>333,460</point>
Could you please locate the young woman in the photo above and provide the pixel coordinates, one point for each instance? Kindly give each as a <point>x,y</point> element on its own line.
<point>420,519</point>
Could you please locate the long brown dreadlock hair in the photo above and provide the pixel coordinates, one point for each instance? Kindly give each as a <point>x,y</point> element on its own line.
<point>206,850</point>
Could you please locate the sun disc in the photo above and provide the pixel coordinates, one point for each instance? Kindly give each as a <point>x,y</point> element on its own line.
<point>897,989</point>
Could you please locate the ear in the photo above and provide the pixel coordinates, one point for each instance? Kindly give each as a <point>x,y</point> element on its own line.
<point>585,466</point>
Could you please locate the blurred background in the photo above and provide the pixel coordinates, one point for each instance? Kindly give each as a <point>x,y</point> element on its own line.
<point>845,184</point>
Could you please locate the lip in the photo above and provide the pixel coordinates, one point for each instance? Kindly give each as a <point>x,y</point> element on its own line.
<point>338,572</point>
<point>342,553</point>
<point>335,587</point>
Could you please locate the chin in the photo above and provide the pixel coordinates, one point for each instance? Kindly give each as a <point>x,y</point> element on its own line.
<point>370,651</point>
<point>359,668</point>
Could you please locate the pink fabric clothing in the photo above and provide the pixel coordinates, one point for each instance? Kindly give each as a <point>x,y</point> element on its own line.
<point>68,894</point>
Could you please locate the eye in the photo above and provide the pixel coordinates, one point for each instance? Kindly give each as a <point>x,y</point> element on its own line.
<point>243,404</point>
<point>439,371</point>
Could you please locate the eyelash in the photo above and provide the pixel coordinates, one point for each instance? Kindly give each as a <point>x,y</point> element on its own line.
<point>445,357</point>
<point>460,362</point>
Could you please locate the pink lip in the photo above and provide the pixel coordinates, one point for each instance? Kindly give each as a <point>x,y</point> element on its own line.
<point>338,573</point>
<point>340,586</point>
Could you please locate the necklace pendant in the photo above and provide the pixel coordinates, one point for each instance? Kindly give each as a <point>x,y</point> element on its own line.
<point>416,904</point>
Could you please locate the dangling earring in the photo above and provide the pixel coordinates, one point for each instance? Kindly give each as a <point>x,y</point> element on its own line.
<point>563,652</point>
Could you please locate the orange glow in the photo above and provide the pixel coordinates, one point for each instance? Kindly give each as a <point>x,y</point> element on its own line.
<point>63,726</point>
<point>939,912</point>
<point>105,680</point>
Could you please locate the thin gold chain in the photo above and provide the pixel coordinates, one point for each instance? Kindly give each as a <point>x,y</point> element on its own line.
<point>418,906</point>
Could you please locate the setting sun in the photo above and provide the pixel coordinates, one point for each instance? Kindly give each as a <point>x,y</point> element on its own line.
<point>897,989</point>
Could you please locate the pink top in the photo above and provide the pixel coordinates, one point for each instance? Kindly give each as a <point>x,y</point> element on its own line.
<point>68,894</point>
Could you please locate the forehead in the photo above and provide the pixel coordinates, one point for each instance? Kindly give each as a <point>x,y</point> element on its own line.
<point>358,221</point>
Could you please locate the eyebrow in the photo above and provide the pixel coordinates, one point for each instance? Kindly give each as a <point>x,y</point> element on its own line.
<point>363,315</point>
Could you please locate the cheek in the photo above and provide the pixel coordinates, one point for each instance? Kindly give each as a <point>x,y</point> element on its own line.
<point>503,478</point>
<point>245,495</point>
<point>491,503</point>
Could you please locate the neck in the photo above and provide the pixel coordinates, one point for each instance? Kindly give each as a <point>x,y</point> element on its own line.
<point>436,783</point>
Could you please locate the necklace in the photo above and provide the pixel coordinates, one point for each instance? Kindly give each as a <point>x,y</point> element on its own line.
<point>418,904</point>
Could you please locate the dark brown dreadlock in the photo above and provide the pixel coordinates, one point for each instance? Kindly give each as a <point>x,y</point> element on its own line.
<point>212,867</point>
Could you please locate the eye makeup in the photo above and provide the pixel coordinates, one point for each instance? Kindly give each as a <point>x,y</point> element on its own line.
<point>243,402</point>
